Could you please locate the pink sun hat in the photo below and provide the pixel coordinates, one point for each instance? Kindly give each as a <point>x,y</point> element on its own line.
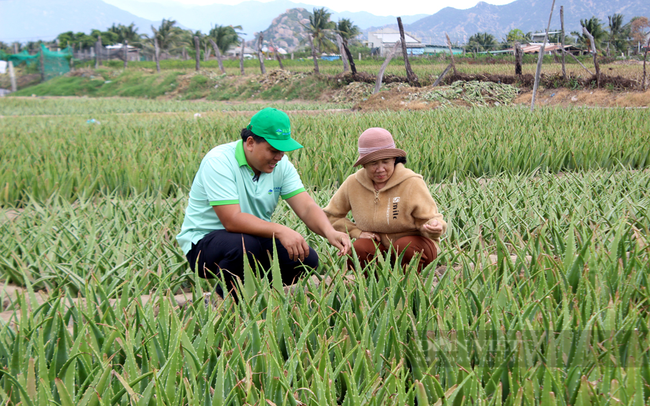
<point>375,144</point>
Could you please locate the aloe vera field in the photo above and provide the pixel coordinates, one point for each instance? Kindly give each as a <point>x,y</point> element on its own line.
<point>541,295</point>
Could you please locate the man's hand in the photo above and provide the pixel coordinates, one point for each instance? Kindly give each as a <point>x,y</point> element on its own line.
<point>296,246</point>
<point>369,235</point>
<point>433,227</point>
<point>341,241</point>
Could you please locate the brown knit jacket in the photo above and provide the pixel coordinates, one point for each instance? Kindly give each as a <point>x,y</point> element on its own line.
<point>399,209</point>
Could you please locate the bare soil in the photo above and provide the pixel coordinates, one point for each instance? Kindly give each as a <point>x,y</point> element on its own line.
<point>398,99</point>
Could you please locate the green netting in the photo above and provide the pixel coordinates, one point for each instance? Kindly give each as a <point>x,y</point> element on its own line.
<point>55,63</point>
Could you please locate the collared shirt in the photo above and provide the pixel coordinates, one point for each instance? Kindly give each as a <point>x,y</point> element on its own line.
<point>225,177</point>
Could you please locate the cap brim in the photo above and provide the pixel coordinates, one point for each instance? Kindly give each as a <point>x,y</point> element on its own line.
<point>381,154</point>
<point>284,145</point>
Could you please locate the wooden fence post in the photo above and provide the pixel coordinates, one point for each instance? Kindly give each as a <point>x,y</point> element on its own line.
<point>562,43</point>
<point>259,53</point>
<point>380,75</point>
<point>540,59</point>
<point>98,47</point>
<point>217,53</point>
<point>198,53</point>
<point>595,52</point>
<point>277,54</point>
<point>12,76</point>
<point>519,54</point>
<point>156,53</point>
<point>72,57</point>
<point>241,56</point>
<point>451,53</point>
<point>42,59</point>
<point>344,57</point>
<point>645,57</point>
<point>410,75</point>
<point>126,52</point>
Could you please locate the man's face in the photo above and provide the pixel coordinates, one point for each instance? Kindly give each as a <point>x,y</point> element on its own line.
<point>262,157</point>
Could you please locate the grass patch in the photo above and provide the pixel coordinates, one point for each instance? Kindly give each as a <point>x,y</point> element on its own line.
<point>106,84</point>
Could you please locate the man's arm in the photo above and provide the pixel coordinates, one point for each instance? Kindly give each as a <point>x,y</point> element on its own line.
<point>235,221</point>
<point>316,219</point>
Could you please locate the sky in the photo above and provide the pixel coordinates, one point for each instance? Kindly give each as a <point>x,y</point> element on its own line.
<point>376,7</point>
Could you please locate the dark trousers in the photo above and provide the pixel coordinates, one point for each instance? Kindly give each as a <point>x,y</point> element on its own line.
<point>223,252</point>
<point>411,245</point>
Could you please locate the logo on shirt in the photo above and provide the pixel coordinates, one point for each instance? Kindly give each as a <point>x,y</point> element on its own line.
<point>276,189</point>
<point>395,207</point>
<point>270,191</point>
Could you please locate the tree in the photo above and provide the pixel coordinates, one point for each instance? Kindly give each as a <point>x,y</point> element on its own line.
<point>346,28</point>
<point>595,28</point>
<point>481,41</point>
<point>225,36</point>
<point>618,32</point>
<point>639,30</point>
<point>517,35</point>
<point>108,37</point>
<point>168,35</point>
<point>320,27</point>
<point>81,40</point>
<point>126,33</point>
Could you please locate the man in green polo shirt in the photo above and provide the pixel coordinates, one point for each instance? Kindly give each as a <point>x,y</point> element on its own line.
<point>233,196</point>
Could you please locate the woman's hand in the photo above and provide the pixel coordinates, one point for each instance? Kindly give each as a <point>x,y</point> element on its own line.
<point>433,227</point>
<point>369,235</point>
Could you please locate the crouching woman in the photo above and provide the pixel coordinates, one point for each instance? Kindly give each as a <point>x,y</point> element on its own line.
<point>391,205</point>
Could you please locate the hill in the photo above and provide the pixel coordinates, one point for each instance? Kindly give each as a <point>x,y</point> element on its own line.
<point>31,20</point>
<point>526,15</point>
<point>287,30</point>
<point>205,17</point>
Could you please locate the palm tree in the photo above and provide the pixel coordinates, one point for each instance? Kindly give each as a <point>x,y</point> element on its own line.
<point>225,36</point>
<point>595,28</point>
<point>481,41</point>
<point>320,27</point>
<point>126,33</point>
<point>169,36</point>
<point>346,28</point>
<point>618,32</point>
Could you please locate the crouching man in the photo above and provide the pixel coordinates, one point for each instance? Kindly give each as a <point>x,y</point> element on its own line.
<point>233,195</point>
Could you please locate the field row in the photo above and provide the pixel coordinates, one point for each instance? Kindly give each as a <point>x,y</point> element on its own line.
<point>89,107</point>
<point>130,155</point>
<point>422,67</point>
<point>55,243</point>
<point>568,325</point>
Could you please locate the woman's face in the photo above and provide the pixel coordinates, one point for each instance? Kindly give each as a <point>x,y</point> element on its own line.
<point>380,171</point>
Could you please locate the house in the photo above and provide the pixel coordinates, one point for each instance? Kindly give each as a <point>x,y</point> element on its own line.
<point>234,52</point>
<point>117,51</point>
<point>535,47</point>
<point>441,49</point>
<point>383,41</point>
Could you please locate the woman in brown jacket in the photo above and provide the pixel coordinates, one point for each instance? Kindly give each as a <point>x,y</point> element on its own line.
<point>391,205</point>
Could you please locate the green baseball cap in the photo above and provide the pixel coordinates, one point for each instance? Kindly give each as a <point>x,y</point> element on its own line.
<point>273,125</point>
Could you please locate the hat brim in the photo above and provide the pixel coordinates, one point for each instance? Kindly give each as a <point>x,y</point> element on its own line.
<point>381,154</point>
<point>284,145</point>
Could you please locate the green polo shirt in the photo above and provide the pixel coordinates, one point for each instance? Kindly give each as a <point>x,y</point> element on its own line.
<point>225,177</point>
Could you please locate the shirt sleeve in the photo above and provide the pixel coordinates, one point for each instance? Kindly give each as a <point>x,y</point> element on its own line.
<point>291,183</point>
<point>219,183</point>
<point>426,210</point>
<point>337,211</point>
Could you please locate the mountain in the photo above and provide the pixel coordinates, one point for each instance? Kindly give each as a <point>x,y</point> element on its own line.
<point>31,20</point>
<point>526,15</point>
<point>287,30</point>
<point>205,17</point>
